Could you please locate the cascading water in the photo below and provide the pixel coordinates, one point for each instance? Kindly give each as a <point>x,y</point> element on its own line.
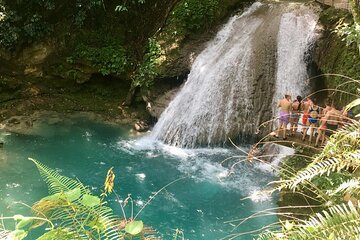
<point>230,88</point>
<point>296,36</point>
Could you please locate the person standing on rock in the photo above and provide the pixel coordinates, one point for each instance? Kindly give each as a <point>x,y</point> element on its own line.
<point>295,115</point>
<point>284,115</point>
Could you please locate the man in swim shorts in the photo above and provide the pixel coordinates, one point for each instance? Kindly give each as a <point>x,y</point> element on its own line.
<point>333,118</point>
<point>305,107</point>
<point>284,114</point>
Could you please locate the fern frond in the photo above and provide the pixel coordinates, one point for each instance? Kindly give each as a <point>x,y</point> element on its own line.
<point>4,234</point>
<point>319,169</point>
<point>340,222</point>
<point>267,235</point>
<point>351,187</point>
<point>76,212</point>
<point>56,182</point>
<point>342,152</point>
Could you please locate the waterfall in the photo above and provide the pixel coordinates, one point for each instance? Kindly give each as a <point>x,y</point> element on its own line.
<point>295,39</point>
<point>231,86</point>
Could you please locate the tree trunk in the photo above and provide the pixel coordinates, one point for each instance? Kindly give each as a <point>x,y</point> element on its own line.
<point>130,96</point>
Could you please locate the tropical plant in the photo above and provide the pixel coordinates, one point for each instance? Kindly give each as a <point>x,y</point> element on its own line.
<point>331,180</point>
<point>147,71</point>
<point>338,222</point>
<point>71,211</point>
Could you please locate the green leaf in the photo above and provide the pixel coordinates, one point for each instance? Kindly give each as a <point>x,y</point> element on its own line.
<point>51,197</point>
<point>73,195</point>
<point>288,225</point>
<point>58,234</point>
<point>134,227</point>
<point>97,224</point>
<point>23,223</point>
<point>70,195</point>
<point>354,103</point>
<point>90,201</point>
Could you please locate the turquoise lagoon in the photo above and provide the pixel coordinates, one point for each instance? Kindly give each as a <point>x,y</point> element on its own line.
<point>207,196</point>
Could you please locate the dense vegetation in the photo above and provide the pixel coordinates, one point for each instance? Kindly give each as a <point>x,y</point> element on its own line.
<point>340,55</point>
<point>130,40</point>
<point>71,211</point>
<point>117,38</point>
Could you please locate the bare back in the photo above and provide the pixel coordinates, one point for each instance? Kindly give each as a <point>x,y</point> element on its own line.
<point>284,105</point>
<point>333,117</point>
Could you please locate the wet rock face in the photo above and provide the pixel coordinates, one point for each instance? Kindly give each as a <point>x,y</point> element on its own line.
<point>19,124</point>
<point>263,62</point>
<point>157,107</point>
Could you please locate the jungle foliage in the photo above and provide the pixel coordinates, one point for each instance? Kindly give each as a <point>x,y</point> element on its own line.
<point>72,211</point>
<point>117,37</point>
<point>340,56</point>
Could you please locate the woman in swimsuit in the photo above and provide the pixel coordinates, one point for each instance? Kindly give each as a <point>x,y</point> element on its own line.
<point>313,119</point>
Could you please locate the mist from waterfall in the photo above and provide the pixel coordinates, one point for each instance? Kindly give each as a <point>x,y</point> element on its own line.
<point>230,89</point>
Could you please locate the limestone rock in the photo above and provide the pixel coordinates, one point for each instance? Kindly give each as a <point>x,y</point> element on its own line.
<point>158,106</point>
<point>141,126</point>
<point>270,152</point>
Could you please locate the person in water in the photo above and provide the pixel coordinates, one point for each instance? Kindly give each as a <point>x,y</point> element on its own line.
<point>284,115</point>
<point>313,119</point>
<point>295,115</point>
<point>322,121</point>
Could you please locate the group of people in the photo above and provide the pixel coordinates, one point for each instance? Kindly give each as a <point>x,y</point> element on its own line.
<point>323,120</point>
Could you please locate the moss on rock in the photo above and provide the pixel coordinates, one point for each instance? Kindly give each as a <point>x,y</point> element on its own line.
<point>333,56</point>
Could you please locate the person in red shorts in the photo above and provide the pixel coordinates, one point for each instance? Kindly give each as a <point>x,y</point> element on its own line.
<point>305,107</point>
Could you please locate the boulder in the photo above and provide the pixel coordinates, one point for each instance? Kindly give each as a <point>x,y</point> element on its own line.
<point>269,152</point>
<point>141,126</point>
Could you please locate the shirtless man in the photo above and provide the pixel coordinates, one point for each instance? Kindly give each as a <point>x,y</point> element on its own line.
<point>322,127</point>
<point>305,107</point>
<point>333,119</point>
<point>284,115</point>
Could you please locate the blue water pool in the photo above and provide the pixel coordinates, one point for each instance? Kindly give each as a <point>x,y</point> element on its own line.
<point>200,204</point>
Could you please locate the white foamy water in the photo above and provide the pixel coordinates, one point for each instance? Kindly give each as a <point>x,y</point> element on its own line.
<point>230,88</point>
<point>225,167</point>
<point>208,99</point>
<point>297,34</point>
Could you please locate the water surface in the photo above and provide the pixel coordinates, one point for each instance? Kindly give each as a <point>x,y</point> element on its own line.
<point>83,149</point>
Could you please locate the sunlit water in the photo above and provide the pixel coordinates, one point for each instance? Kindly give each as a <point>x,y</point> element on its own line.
<point>198,204</point>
